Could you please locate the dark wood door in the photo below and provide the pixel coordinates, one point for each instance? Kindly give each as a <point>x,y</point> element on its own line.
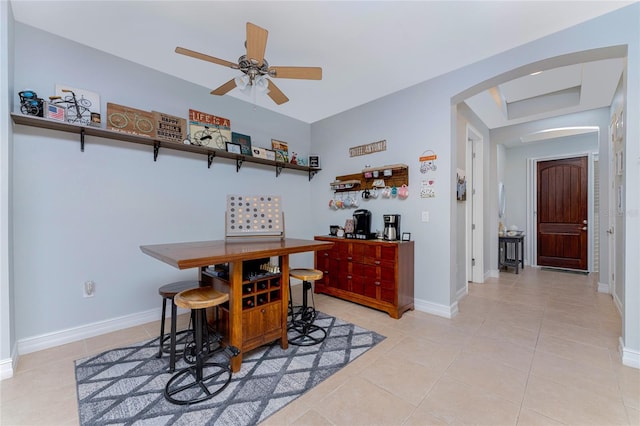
<point>562,213</point>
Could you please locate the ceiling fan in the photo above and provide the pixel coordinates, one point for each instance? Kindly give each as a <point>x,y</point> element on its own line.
<point>255,67</point>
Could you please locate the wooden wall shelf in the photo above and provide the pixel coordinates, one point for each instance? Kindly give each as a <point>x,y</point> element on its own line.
<point>399,177</point>
<point>28,120</point>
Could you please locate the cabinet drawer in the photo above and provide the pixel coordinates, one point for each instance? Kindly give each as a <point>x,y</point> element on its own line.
<point>382,254</point>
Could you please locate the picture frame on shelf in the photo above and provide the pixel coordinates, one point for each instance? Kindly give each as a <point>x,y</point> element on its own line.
<point>406,236</point>
<point>234,148</point>
<point>281,150</point>
<point>209,130</point>
<point>259,152</point>
<point>244,141</point>
<point>314,161</point>
<point>54,112</point>
<point>83,106</point>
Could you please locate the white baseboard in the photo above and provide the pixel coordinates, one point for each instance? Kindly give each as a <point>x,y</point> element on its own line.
<point>462,293</point>
<point>630,357</point>
<point>436,309</point>
<point>618,305</point>
<point>57,338</point>
<point>493,273</point>
<point>604,288</point>
<point>8,366</point>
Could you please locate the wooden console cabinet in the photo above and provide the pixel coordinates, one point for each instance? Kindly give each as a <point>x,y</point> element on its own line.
<point>374,273</point>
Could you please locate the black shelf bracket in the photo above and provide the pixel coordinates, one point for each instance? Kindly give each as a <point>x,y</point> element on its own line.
<point>82,139</point>
<point>239,161</point>
<point>312,173</point>
<point>156,149</point>
<point>278,170</point>
<point>210,157</point>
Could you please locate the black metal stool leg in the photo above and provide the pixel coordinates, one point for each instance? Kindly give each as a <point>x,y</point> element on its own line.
<point>194,384</point>
<point>162,320</point>
<point>303,331</point>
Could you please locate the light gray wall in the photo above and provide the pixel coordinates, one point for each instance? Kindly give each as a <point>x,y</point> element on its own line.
<point>83,215</point>
<point>406,120</point>
<point>7,329</point>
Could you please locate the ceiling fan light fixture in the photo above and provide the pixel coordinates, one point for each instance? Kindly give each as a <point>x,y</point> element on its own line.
<point>262,84</point>
<point>242,82</point>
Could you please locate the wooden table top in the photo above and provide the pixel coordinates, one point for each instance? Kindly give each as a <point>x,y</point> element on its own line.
<point>204,253</point>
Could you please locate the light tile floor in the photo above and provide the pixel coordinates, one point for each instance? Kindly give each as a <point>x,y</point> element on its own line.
<point>537,348</point>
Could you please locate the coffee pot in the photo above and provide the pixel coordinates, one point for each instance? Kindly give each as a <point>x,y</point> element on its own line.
<point>391,227</point>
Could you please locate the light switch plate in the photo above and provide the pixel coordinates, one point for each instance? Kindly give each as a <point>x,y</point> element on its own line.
<point>425,216</point>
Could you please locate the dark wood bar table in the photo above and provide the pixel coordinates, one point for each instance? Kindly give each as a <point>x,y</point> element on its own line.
<point>205,253</point>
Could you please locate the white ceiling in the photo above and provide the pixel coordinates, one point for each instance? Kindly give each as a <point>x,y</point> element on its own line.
<point>367,49</point>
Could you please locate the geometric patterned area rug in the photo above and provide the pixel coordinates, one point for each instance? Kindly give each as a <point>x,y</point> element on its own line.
<point>126,385</point>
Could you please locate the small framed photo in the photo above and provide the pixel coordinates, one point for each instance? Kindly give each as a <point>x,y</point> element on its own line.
<point>314,161</point>
<point>234,147</point>
<point>55,112</point>
<point>271,154</point>
<point>406,236</point>
<point>244,141</point>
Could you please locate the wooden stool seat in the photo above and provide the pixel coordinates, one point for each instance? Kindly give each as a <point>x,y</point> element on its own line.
<point>200,298</point>
<point>304,274</point>
<point>170,290</point>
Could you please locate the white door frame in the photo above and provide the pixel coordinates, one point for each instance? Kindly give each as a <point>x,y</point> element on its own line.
<point>474,205</point>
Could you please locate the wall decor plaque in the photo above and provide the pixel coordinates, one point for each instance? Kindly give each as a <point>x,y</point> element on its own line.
<point>130,120</point>
<point>209,130</point>
<point>170,128</point>
<point>369,148</point>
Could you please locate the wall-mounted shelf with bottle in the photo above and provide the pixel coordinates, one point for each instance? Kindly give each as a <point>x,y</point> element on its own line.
<point>28,120</point>
<point>396,175</point>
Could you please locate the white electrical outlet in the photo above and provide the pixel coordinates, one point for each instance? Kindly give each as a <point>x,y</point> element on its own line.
<point>425,216</point>
<point>89,289</point>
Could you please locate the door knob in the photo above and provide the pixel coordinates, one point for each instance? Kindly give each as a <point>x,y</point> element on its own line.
<point>584,228</point>
<point>584,221</point>
<point>610,231</point>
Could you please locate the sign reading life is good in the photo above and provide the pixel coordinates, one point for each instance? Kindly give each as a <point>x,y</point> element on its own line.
<point>368,148</point>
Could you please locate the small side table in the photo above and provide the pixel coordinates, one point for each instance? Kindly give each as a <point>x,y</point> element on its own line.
<point>511,251</point>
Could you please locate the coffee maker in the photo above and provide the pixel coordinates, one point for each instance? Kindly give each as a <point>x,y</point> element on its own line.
<point>391,227</point>
<point>362,225</point>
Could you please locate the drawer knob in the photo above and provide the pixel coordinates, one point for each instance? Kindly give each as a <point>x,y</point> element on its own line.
<point>377,283</point>
<point>377,262</point>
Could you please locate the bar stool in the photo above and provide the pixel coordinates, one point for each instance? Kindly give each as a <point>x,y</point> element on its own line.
<point>168,292</point>
<point>204,380</point>
<point>301,329</point>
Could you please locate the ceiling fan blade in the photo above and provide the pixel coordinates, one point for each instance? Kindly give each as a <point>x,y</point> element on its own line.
<point>225,88</point>
<point>197,55</point>
<point>256,43</point>
<point>276,94</point>
<point>305,73</point>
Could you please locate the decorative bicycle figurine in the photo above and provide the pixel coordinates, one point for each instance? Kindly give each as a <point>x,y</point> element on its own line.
<point>121,120</point>
<point>205,136</point>
<point>77,109</point>
<point>30,103</point>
